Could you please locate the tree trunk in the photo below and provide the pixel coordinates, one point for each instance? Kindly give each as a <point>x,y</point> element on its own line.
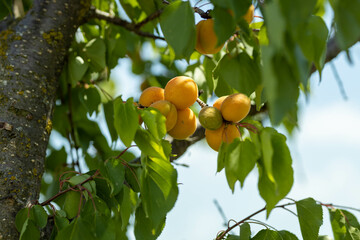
<point>32,54</point>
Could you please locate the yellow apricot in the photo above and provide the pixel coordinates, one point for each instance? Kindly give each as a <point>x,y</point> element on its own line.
<point>181,91</point>
<point>235,107</point>
<point>151,95</point>
<point>206,39</point>
<point>185,125</point>
<point>226,133</point>
<point>168,110</point>
<point>249,15</point>
<point>219,101</point>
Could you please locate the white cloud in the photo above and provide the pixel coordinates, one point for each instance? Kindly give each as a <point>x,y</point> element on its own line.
<point>337,123</point>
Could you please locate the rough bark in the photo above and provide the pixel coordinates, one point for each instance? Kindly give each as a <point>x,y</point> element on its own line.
<point>32,53</point>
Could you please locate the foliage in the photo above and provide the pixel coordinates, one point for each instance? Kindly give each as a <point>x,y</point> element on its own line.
<point>269,60</point>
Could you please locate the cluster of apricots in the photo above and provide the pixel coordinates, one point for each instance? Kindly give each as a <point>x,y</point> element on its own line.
<point>220,120</point>
<point>173,102</point>
<point>206,40</point>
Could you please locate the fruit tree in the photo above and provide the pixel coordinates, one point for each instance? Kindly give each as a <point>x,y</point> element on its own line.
<point>221,68</point>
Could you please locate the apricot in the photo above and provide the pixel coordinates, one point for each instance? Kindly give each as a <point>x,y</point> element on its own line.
<point>249,15</point>
<point>168,110</point>
<point>235,107</point>
<point>226,133</point>
<point>210,118</point>
<point>206,39</point>
<point>219,101</point>
<point>181,91</point>
<point>151,95</point>
<point>185,125</point>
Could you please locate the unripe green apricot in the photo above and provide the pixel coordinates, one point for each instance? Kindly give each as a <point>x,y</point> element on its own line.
<point>210,118</point>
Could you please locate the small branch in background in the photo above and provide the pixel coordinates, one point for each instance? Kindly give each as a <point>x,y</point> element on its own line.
<point>338,81</point>
<point>221,211</point>
<point>132,27</point>
<point>72,140</point>
<point>149,19</point>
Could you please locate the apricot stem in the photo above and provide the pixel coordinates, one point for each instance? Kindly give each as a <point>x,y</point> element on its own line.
<point>201,103</point>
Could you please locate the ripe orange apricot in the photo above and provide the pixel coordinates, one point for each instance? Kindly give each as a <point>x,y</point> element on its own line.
<point>235,107</point>
<point>219,101</point>
<point>181,91</point>
<point>206,39</point>
<point>168,110</point>
<point>185,125</point>
<point>226,133</point>
<point>151,95</point>
<point>249,15</point>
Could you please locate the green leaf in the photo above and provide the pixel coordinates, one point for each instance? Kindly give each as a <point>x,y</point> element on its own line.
<point>209,66</point>
<point>144,226</point>
<point>347,20</point>
<point>155,122</point>
<point>56,159</point>
<point>61,222</point>
<point>180,35</point>
<point>126,120</point>
<point>90,98</point>
<point>287,235</point>
<point>159,188</point>
<point>279,159</point>
<point>245,232</point>
<point>29,231</point>
<point>240,72</point>
<point>132,8</point>
<point>149,145</point>
<point>72,203</point>
<point>78,179</point>
<point>313,41</point>
<point>281,84</point>
<point>224,24</point>
<point>127,201</point>
<point>39,216</point>
<point>222,155</point>
<point>240,160</point>
<point>5,8</point>
<point>310,218</point>
<point>267,234</point>
<point>78,229</point>
<point>95,51</point>
<point>115,173</point>
<point>275,24</point>
<point>76,68</point>
<point>109,117</point>
<point>21,218</point>
<point>341,222</point>
<point>297,12</point>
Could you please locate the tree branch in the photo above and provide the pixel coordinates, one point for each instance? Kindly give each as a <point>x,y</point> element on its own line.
<point>135,28</point>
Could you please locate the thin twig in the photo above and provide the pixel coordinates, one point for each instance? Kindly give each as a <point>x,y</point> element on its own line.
<point>222,235</point>
<point>221,211</point>
<point>70,189</point>
<point>338,81</point>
